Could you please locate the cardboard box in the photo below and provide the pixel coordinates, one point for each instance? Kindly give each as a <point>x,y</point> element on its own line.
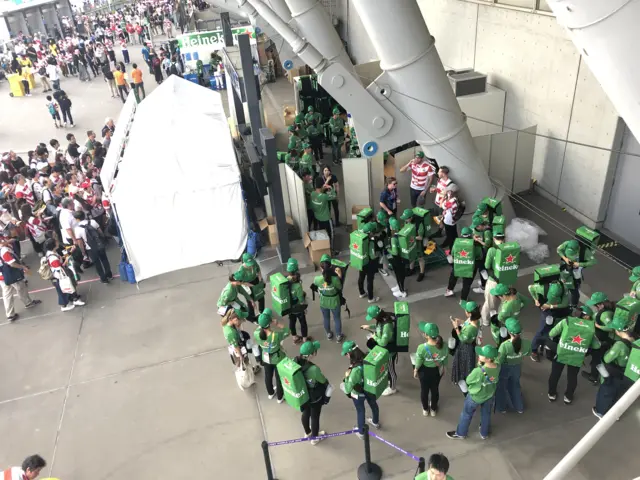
<point>355,209</point>
<point>269,224</point>
<point>318,243</point>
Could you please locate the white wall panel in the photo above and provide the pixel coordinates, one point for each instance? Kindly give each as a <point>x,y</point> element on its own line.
<point>503,153</point>
<point>487,106</point>
<point>355,183</point>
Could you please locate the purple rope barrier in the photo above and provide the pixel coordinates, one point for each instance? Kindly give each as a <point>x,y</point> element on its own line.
<point>306,439</point>
<point>410,455</point>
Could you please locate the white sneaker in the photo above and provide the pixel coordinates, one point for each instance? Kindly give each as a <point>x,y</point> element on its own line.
<point>271,396</point>
<point>72,125</point>
<point>362,295</point>
<point>316,441</point>
<point>67,307</point>
<point>425,413</point>
<point>79,303</point>
<point>401,294</point>
<point>389,391</point>
<point>281,400</point>
<point>374,425</point>
<point>448,293</point>
<point>395,289</point>
<point>374,300</point>
<point>383,272</point>
<point>478,290</point>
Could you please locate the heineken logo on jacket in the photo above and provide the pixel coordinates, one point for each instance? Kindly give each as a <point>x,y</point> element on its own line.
<point>576,337</point>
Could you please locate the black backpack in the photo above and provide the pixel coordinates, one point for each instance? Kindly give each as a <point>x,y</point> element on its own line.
<point>95,239</point>
<point>42,71</point>
<point>462,206</point>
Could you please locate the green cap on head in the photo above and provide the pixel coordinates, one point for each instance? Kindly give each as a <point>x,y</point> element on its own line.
<point>635,274</point>
<point>336,111</point>
<point>239,276</point>
<point>619,324</point>
<point>348,346</point>
<point>596,298</point>
<point>572,245</point>
<point>240,313</point>
<point>513,325</point>
<point>268,311</point>
<point>488,351</point>
<point>325,258</point>
<point>466,232</point>
<point>586,310</point>
<point>372,312</point>
<point>498,231</point>
<point>306,145</point>
<point>370,227</point>
<point>429,329</point>
<point>291,128</point>
<point>499,289</point>
<point>264,320</point>
<point>420,154</point>
<point>555,291</point>
<point>248,259</point>
<point>407,214</point>
<point>468,306</point>
<point>394,223</point>
<point>382,216</point>
<point>309,348</point>
<point>482,208</point>
<point>292,265</point>
<point>299,118</point>
<point>476,222</point>
<point>310,108</point>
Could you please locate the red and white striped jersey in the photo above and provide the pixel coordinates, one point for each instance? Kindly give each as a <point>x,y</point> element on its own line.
<point>420,173</point>
<point>36,226</point>
<point>441,188</point>
<point>449,210</point>
<point>24,191</point>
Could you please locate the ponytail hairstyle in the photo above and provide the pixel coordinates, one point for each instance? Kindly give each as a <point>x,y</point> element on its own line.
<point>327,272</point>
<point>475,315</point>
<point>439,342</point>
<point>262,334</point>
<point>516,342</point>
<point>356,356</point>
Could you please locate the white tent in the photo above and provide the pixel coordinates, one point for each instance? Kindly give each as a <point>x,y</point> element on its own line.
<point>118,141</point>
<point>177,193</point>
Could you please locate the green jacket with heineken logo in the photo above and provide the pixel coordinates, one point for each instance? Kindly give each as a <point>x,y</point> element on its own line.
<point>430,356</point>
<point>384,333</point>
<point>297,140</point>
<point>589,259</point>
<point>306,162</point>
<point>308,190</point>
<point>271,350</point>
<point>489,261</point>
<point>577,335</point>
<point>229,295</point>
<point>508,309</point>
<point>329,293</point>
<point>507,354</point>
<point>355,380</point>
<point>311,118</point>
<point>482,385</point>
<point>618,354</point>
<point>231,335</point>
<point>250,273</point>
<point>314,377</point>
<point>537,290</point>
<point>395,245</point>
<point>320,205</point>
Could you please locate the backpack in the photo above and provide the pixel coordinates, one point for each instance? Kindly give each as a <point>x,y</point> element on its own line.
<point>45,269</point>
<point>95,239</point>
<point>42,71</point>
<point>462,206</point>
<point>173,70</point>
<point>52,108</point>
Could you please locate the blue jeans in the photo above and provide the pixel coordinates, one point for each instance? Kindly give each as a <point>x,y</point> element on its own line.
<point>360,410</point>
<point>326,317</point>
<point>468,409</point>
<point>509,389</point>
<point>609,393</point>
<point>542,334</point>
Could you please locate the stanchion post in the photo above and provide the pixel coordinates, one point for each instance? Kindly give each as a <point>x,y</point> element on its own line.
<point>421,465</point>
<point>267,460</point>
<point>368,470</point>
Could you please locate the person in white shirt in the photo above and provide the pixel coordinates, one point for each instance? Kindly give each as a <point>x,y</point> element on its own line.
<point>67,222</point>
<point>86,241</point>
<point>29,470</point>
<point>53,72</point>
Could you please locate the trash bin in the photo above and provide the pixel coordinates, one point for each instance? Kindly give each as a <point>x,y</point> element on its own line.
<point>16,88</point>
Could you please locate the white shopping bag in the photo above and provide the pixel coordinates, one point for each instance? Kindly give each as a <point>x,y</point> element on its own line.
<point>245,376</point>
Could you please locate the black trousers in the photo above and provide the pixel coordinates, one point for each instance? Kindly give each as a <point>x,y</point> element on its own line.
<point>269,372</point>
<point>316,146</point>
<point>301,317</point>
<point>336,211</point>
<point>311,412</point>
<point>399,269</point>
<point>451,233</point>
<point>99,258</point>
<point>369,271</point>
<point>556,373</point>
<point>429,384</point>
<point>124,91</point>
<point>66,115</point>
<point>311,220</point>
<point>25,84</point>
<point>466,285</point>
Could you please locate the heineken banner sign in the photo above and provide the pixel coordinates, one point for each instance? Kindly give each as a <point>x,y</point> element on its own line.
<point>213,39</point>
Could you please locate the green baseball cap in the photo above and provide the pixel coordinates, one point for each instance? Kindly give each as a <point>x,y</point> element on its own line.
<point>572,245</point>
<point>498,231</point>
<point>394,223</point>
<point>596,298</point>
<point>336,111</point>
<point>420,154</point>
<point>499,289</point>
<point>299,118</point>
<point>488,351</point>
<point>306,145</point>
<point>635,274</point>
<point>240,313</point>
<point>309,348</point>
<point>382,216</point>
<point>476,222</point>
<point>586,310</point>
<point>555,291</point>
<point>407,214</point>
<point>429,329</point>
<point>239,276</point>
<point>248,259</point>
<point>372,312</point>
<point>292,265</point>
<point>267,311</point>
<point>482,208</point>
<point>513,325</point>
<point>370,227</point>
<point>468,306</point>
<point>264,320</point>
<point>466,232</point>
<point>325,258</point>
<point>291,128</point>
<point>348,346</point>
<point>310,108</point>
<point>619,324</point>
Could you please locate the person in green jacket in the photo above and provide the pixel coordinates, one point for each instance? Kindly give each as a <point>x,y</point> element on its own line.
<point>229,296</point>
<point>298,302</point>
<point>316,139</point>
<point>635,279</point>
<point>437,468</point>
<point>300,127</point>
<point>320,204</point>
<point>430,364</point>
<point>465,233</point>
<point>553,302</point>
<point>510,355</point>
<point>353,385</point>
<point>307,184</point>
<point>615,361</point>
<point>409,217</point>
<point>295,142</point>
<point>319,391</point>
<point>269,336</point>
<point>313,116</point>
<point>576,336</point>
<point>383,335</point>
<point>306,162</point>
<point>466,332</point>
<point>336,128</point>
<point>395,258</point>
<point>291,158</point>
<point>329,286</point>
<point>481,383</point>
<point>238,340</point>
<point>253,276</point>
<point>369,270</point>
<point>491,301</point>
<point>483,236</point>
<point>576,256</point>
<point>602,315</point>
<point>510,306</point>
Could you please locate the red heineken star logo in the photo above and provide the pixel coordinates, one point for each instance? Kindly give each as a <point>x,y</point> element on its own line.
<point>434,355</point>
<point>510,259</point>
<point>355,246</point>
<point>464,254</point>
<point>286,382</point>
<point>492,379</point>
<point>577,339</point>
<point>274,289</point>
<point>411,240</point>
<point>581,323</point>
<point>382,369</point>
